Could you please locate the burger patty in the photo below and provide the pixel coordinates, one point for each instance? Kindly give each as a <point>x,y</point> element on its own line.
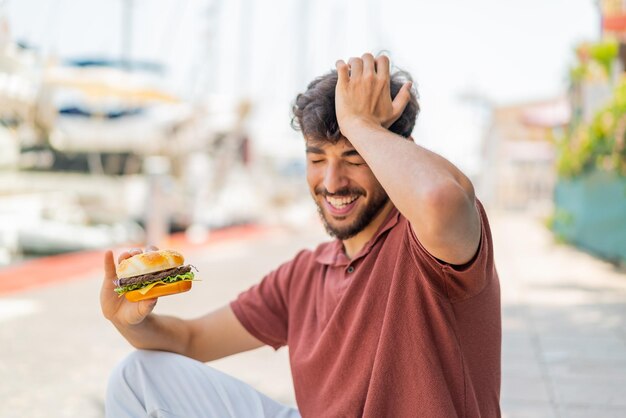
<point>153,277</point>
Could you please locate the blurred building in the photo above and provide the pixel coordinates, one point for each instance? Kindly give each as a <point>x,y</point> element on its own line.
<point>519,154</point>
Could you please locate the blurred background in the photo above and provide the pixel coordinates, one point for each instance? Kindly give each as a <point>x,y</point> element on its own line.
<point>128,122</point>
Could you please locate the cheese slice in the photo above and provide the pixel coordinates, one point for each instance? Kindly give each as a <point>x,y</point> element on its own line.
<point>146,289</point>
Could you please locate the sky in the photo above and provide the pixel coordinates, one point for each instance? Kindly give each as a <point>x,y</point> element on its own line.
<point>502,51</point>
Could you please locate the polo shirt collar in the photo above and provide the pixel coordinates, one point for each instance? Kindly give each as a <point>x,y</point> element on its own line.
<point>334,255</point>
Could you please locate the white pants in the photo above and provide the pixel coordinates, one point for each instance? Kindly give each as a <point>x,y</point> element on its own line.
<point>157,384</point>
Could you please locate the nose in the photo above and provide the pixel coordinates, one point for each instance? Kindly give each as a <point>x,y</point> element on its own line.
<point>334,178</point>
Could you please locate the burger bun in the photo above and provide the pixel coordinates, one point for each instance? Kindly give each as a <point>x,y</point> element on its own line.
<point>149,262</point>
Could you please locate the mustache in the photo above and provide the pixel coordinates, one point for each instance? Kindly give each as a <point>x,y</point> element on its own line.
<point>346,191</point>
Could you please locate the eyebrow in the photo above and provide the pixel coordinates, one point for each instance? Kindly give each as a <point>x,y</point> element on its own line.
<point>314,150</point>
<point>317,150</point>
<point>350,153</point>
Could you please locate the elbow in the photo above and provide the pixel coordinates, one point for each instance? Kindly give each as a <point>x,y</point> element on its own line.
<point>443,203</point>
<point>449,194</point>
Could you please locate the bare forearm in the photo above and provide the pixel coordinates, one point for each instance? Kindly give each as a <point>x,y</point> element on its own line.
<point>427,189</point>
<point>157,332</point>
<point>414,178</point>
<point>210,337</point>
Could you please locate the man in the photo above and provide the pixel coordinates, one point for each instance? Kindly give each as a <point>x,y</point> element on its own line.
<point>398,317</point>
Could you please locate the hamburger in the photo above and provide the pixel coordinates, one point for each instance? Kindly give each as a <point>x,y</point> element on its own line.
<point>153,274</point>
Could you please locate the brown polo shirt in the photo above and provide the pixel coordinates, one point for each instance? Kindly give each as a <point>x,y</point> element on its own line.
<point>390,333</point>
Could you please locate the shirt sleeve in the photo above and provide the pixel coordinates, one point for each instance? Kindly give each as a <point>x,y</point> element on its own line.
<point>263,309</point>
<point>456,282</point>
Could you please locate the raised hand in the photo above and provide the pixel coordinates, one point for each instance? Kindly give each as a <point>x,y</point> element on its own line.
<point>363,93</point>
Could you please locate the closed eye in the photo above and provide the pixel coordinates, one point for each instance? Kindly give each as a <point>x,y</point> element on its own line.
<point>355,160</point>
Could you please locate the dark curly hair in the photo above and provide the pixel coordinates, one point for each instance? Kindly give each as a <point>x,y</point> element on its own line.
<point>313,112</point>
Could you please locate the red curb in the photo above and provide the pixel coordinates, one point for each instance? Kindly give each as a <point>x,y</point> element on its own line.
<point>48,270</point>
<point>56,269</point>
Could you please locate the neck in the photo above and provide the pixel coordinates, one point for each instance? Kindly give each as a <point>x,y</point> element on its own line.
<point>352,246</point>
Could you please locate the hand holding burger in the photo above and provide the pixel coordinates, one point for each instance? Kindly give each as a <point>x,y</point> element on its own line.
<point>143,277</point>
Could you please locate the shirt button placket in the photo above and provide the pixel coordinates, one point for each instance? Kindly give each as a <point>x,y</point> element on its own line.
<point>350,269</point>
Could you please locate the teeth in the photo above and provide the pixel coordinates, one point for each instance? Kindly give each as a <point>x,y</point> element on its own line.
<point>340,202</point>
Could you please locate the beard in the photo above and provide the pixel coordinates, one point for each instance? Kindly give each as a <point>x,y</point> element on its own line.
<point>363,218</point>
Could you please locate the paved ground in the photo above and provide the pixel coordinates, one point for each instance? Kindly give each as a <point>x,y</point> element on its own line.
<point>564,317</point>
<point>564,324</point>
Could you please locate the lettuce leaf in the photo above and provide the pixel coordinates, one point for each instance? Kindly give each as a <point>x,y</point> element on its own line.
<point>171,279</point>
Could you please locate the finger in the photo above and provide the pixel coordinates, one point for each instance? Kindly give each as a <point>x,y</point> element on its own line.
<point>382,66</point>
<point>343,74</point>
<point>343,71</point>
<point>401,100</point>
<point>123,256</point>
<point>109,269</point>
<point>128,254</point>
<point>368,64</point>
<point>146,306</point>
<point>356,67</point>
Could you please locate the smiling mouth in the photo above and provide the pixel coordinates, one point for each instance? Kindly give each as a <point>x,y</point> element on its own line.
<point>339,206</point>
<point>341,202</point>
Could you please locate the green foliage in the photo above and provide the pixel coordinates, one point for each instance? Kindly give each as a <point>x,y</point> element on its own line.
<point>599,144</point>
<point>604,53</point>
<point>594,61</point>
